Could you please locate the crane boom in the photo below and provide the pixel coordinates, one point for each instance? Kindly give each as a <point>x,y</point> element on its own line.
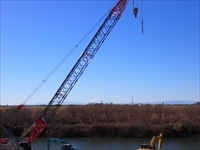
<point>76,71</point>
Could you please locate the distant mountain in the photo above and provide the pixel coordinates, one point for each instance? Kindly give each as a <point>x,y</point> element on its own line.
<point>172,102</point>
<point>178,102</point>
<point>168,102</point>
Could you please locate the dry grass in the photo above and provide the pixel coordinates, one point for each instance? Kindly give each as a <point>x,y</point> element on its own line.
<point>109,120</point>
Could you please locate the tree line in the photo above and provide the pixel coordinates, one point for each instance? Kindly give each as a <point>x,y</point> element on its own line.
<point>108,120</point>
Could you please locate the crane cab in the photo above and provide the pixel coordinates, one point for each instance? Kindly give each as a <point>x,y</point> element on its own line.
<point>68,147</point>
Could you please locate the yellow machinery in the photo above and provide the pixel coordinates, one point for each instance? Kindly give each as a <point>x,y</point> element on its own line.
<point>151,146</point>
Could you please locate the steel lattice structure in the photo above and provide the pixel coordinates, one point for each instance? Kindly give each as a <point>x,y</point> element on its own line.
<point>76,71</point>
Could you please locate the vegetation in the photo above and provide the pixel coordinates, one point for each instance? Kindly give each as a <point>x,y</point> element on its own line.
<point>109,120</point>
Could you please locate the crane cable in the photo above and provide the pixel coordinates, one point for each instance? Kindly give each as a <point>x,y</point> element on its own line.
<point>134,3</point>
<point>142,17</point>
<point>61,62</point>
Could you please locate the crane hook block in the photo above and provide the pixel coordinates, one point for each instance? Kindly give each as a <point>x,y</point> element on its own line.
<point>135,11</point>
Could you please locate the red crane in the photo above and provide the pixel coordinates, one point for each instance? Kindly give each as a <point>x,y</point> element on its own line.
<point>77,70</point>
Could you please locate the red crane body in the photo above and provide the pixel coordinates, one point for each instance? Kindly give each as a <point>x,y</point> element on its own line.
<point>75,73</point>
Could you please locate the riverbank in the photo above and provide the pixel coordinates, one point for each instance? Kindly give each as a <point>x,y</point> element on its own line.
<point>109,120</point>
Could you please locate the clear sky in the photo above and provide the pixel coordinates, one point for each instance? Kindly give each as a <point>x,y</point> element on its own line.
<point>160,65</point>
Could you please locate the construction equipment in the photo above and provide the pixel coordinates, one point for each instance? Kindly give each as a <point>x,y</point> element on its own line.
<point>135,8</point>
<point>151,145</point>
<point>65,145</point>
<point>60,95</point>
<point>135,12</point>
<point>8,135</point>
<point>75,73</point>
<point>7,140</point>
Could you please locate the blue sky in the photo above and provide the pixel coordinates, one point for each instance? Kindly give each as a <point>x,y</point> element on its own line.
<point>158,66</point>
